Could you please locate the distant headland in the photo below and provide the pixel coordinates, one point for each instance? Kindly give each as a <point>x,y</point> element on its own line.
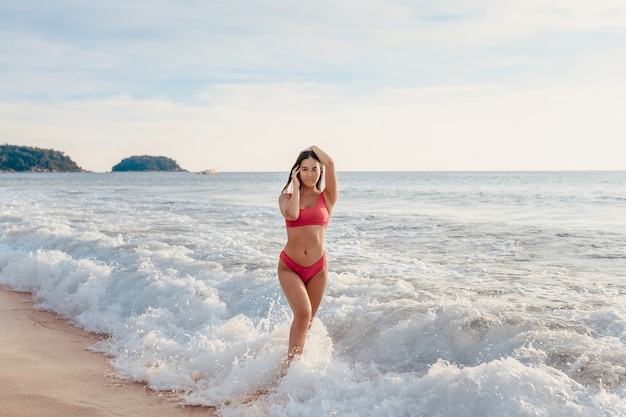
<point>28,159</point>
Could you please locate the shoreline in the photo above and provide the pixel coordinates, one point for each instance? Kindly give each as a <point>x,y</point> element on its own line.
<point>47,369</point>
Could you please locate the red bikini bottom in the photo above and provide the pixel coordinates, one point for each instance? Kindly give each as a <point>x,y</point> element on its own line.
<point>304,272</point>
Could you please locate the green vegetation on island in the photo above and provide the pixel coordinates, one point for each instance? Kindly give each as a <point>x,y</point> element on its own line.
<point>147,163</point>
<point>27,159</point>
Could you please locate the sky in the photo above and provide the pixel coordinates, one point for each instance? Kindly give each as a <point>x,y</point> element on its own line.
<point>380,85</point>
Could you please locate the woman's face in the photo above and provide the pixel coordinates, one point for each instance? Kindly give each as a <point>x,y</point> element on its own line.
<point>310,172</point>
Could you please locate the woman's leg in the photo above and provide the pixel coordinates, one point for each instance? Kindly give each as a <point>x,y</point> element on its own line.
<point>304,300</point>
<point>296,293</point>
<point>316,287</point>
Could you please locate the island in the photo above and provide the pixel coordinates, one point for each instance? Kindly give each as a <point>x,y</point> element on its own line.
<point>147,163</point>
<point>28,159</point>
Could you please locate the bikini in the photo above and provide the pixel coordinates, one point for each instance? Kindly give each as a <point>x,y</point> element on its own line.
<point>313,216</point>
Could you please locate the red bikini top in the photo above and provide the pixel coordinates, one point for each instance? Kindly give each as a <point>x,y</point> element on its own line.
<point>313,216</point>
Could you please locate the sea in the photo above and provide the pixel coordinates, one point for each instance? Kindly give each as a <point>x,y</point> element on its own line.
<point>450,294</point>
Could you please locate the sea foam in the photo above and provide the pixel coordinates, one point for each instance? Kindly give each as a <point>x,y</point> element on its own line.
<point>423,315</point>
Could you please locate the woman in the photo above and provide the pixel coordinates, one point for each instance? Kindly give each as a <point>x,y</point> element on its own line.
<point>302,269</point>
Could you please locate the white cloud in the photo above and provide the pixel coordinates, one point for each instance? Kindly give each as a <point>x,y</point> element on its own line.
<point>420,129</point>
<point>413,85</point>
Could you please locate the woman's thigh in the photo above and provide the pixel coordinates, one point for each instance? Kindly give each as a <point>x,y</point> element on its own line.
<point>295,291</point>
<point>316,287</point>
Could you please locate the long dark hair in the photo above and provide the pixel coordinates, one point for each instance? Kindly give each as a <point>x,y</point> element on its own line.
<point>305,155</point>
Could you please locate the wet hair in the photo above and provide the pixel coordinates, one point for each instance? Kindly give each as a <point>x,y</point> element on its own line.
<point>305,155</point>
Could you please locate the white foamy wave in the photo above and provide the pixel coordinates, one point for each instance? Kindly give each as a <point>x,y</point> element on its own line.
<point>424,314</point>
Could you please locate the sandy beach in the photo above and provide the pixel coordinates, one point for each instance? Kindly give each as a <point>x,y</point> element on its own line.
<point>47,370</point>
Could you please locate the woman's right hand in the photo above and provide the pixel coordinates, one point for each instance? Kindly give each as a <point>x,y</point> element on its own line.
<point>295,178</point>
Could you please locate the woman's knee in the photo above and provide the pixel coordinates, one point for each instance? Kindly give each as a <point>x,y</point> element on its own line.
<point>302,317</point>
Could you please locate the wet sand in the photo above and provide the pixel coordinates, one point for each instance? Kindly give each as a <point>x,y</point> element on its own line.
<point>47,370</point>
